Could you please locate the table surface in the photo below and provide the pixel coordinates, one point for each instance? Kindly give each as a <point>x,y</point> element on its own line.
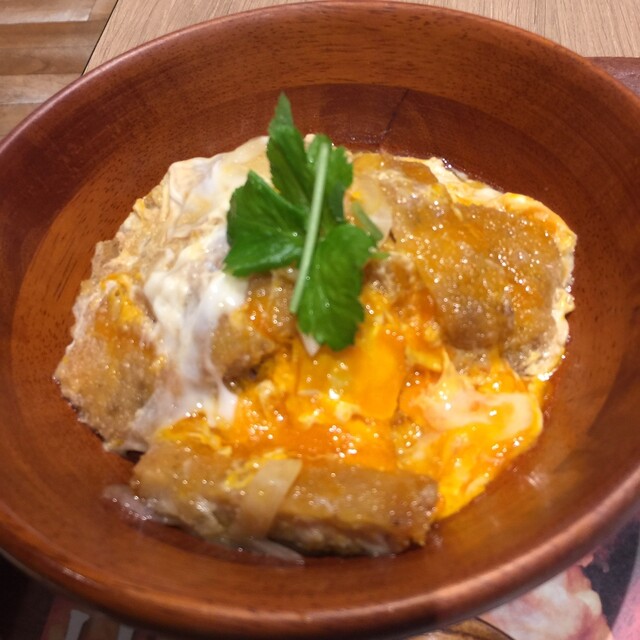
<point>589,27</point>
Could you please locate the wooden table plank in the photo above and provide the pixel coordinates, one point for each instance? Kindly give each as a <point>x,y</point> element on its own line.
<point>17,11</point>
<point>44,45</point>
<point>589,27</point>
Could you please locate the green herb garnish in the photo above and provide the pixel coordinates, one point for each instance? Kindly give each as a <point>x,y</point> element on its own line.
<point>300,222</point>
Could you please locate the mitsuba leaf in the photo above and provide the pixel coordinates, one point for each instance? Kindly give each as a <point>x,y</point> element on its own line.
<point>267,228</point>
<point>290,171</point>
<point>339,178</point>
<point>330,309</point>
<point>264,231</point>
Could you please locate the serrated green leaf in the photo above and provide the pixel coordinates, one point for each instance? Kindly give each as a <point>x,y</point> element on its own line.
<point>290,171</point>
<point>339,178</point>
<point>330,309</point>
<point>300,222</point>
<point>264,231</point>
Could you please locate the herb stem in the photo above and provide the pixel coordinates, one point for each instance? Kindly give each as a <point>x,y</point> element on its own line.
<point>311,239</point>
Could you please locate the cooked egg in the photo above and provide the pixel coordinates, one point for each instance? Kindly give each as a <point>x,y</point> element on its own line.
<point>208,374</point>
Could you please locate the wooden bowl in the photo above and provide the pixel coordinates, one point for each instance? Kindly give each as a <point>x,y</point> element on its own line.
<point>506,106</point>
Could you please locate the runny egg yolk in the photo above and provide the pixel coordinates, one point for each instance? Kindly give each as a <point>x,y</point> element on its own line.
<point>391,401</point>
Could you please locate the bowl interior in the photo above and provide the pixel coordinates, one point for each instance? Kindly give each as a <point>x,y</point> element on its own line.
<point>503,105</point>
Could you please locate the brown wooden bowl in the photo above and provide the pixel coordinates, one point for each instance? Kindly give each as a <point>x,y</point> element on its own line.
<point>502,104</point>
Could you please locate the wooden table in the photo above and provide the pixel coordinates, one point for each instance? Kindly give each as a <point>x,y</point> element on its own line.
<point>606,31</point>
<point>590,27</point>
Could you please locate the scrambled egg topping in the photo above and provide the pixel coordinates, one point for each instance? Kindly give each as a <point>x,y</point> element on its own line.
<point>445,379</point>
<point>391,401</point>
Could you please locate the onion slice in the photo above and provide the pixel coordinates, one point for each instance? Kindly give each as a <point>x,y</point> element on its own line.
<point>263,497</point>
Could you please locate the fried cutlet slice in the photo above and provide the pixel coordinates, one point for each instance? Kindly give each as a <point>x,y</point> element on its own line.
<point>498,265</point>
<point>110,370</point>
<point>324,505</point>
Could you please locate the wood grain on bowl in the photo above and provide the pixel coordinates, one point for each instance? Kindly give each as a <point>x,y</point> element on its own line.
<point>511,108</point>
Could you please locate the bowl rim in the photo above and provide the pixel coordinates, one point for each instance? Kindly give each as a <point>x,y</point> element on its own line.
<point>539,564</point>
<point>168,39</point>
